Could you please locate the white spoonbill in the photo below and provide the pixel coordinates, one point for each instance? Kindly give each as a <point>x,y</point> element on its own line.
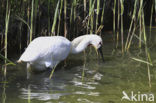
<point>47,52</point>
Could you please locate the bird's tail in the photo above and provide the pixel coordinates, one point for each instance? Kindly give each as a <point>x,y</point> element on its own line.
<point>19,61</point>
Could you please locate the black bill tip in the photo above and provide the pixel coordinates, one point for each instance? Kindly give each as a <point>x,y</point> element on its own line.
<point>101,53</point>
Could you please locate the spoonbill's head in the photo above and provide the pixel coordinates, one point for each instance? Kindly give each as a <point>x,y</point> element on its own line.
<point>96,42</point>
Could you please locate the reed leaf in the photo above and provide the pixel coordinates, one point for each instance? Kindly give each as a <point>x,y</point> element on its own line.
<point>142,61</point>
<point>55,18</point>
<point>7,60</point>
<point>25,22</point>
<point>142,41</point>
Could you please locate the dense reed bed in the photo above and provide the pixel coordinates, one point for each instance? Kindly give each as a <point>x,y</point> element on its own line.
<point>26,19</point>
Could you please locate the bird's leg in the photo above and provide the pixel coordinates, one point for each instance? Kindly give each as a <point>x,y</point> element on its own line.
<point>65,63</point>
<point>28,70</point>
<point>84,65</point>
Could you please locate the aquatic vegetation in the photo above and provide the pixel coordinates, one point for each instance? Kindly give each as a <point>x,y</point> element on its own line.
<point>28,19</point>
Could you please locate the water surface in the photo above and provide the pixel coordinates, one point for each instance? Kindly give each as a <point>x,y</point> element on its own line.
<point>84,79</point>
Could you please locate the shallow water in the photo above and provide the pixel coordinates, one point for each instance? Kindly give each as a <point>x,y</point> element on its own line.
<point>83,80</point>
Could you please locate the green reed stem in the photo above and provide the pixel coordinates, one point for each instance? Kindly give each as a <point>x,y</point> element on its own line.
<point>55,18</point>
<point>49,17</point>
<point>65,18</point>
<point>28,21</point>
<point>122,38</point>
<point>6,32</point>
<point>91,23</point>
<point>31,25</point>
<point>90,6</point>
<point>6,28</point>
<point>103,11</point>
<point>4,92</point>
<point>154,5</point>
<point>151,19</point>
<point>85,6</point>
<point>74,5</point>
<point>60,13</point>
<point>71,13</point>
<point>131,37</point>
<point>140,22</point>
<point>35,15</point>
<point>97,14</point>
<point>114,10</point>
<point>140,32</point>
<point>118,25</point>
<point>91,13</point>
<point>84,16</point>
<point>132,21</point>
<point>146,49</point>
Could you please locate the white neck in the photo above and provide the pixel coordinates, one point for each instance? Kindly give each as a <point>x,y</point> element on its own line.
<point>79,44</point>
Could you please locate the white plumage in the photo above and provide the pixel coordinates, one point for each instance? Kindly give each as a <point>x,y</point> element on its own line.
<point>47,52</point>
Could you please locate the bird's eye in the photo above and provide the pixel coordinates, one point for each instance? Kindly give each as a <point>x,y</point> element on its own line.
<point>100,43</point>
